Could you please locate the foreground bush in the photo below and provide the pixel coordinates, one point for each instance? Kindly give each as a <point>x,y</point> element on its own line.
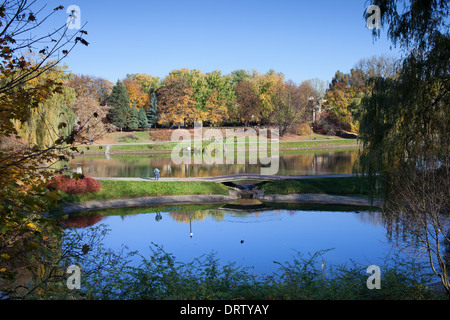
<point>74,185</point>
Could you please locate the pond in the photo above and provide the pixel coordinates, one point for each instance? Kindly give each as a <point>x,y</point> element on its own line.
<point>305,162</point>
<point>253,237</point>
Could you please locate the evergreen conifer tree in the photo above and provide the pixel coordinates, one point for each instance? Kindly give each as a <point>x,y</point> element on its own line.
<point>120,105</point>
<point>153,113</point>
<point>132,121</point>
<point>143,121</point>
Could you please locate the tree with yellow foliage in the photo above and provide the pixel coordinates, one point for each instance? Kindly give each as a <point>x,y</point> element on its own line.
<point>136,96</point>
<point>27,208</point>
<point>176,103</point>
<point>216,109</point>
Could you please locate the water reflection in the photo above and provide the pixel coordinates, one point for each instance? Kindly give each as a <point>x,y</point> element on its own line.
<point>307,162</point>
<point>253,238</point>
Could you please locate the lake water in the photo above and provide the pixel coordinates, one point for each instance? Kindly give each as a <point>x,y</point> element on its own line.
<point>308,162</point>
<point>252,238</point>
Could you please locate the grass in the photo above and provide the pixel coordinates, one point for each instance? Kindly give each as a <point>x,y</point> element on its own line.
<point>348,186</point>
<point>168,146</point>
<point>315,144</point>
<point>134,189</point>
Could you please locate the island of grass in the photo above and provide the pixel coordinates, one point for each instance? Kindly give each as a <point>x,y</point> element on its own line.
<point>112,189</point>
<point>119,189</point>
<point>354,186</point>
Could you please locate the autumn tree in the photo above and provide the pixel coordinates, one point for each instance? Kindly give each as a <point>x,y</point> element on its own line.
<point>148,83</point>
<point>216,109</point>
<point>248,100</point>
<point>98,88</point>
<point>135,94</point>
<point>28,229</point>
<point>265,84</point>
<point>290,104</point>
<point>41,127</point>
<point>220,87</point>
<point>93,116</point>
<point>176,102</point>
<point>343,97</point>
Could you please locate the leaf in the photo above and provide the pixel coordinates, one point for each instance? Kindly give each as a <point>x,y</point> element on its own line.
<point>53,196</point>
<point>81,40</point>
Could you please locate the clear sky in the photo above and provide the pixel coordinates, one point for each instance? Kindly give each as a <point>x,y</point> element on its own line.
<point>301,39</point>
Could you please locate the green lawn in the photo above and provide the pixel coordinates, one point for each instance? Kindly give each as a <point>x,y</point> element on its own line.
<point>305,144</point>
<point>349,186</point>
<point>133,189</point>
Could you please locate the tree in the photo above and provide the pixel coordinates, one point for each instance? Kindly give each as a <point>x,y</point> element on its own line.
<point>135,94</point>
<point>28,215</point>
<point>219,87</point>
<point>249,103</point>
<point>120,105</point>
<point>319,86</point>
<point>216,109</point>
<point>148,83</point>
<point>93,116</point>
<point>176,102</point>
<point>405,122</point>
<point>98,88</point>
<point>41,127</point>
<point>290,103</point>
<point>132,121</point>
<point>143,121</point>
<point>153,113</point>
<point>265,87</point>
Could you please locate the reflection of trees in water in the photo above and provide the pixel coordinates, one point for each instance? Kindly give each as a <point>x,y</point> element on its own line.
<point>373,217</point>
<point>83,220</point>
<point>413,232</point>
<point>418,213</point>
<point>314,162</point>
<point>196,215</point>
<point>219,215</point>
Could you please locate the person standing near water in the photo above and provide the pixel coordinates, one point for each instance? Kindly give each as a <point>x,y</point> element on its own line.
<point>157,173</point>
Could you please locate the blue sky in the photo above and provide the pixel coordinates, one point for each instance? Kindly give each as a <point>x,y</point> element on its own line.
<point>301,39</point>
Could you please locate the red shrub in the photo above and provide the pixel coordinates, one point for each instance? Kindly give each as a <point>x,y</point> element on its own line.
<point>74,185</point>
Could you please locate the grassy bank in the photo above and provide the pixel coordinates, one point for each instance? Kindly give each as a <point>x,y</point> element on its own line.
<point>347,186</point>
<point>135,189</point>
<point>168,146</point>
